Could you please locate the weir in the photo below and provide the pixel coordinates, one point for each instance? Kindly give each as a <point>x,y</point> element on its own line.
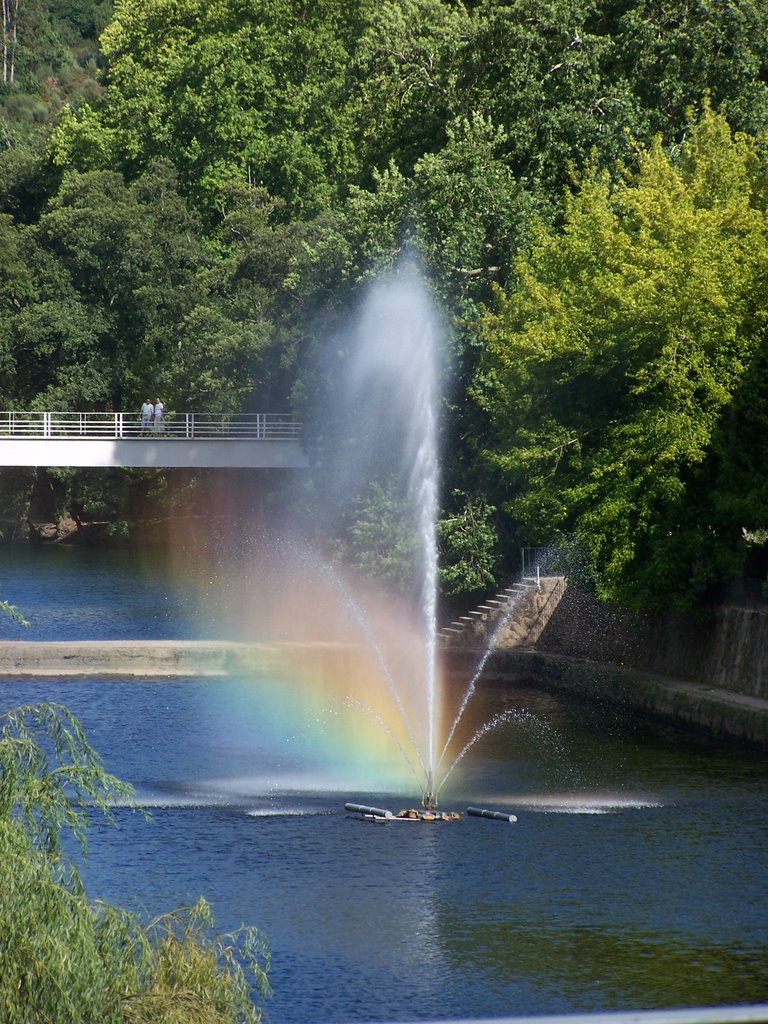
<point>721,712</point>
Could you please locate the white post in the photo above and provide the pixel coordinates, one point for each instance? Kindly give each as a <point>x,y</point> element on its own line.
<point>46,424</point>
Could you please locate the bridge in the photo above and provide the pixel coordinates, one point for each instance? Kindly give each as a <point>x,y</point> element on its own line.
<point>182,440</point>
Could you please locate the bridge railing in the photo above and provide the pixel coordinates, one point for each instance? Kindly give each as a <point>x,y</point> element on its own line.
<point>261,426</point>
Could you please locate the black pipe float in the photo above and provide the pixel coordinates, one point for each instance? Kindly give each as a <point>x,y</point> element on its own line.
<point>478,812</point>
<point>363,809</point>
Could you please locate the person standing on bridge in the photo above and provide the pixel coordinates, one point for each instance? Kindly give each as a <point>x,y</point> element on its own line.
<point>147,413</point>
<point>159,416</point>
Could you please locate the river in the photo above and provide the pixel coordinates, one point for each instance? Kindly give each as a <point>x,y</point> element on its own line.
<point>634,877</point>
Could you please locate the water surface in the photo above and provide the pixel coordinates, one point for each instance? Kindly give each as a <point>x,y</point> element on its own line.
<point>634,878</point>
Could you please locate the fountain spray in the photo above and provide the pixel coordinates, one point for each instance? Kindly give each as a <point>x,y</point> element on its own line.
<point>387,411</point>
<point>392,390</point>
<point>387,368</point>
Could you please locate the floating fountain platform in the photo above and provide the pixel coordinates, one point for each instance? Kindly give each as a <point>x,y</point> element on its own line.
<point>411,814</point>
<point>425,814</point>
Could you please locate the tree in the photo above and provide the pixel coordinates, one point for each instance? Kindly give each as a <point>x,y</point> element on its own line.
<point>677,52</point>
<point>130,258</point>
<point>468,538</point>
<point>379,539</point>
<point>65,959</point>
<point>405,89</point>
<point>49,57</point>
<point>251,92</point>
<point>114,291</point>
<point>613,366</point>
<point>10,38</point>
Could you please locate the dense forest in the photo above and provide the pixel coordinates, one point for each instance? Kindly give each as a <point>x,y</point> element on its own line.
<point>191,193</point>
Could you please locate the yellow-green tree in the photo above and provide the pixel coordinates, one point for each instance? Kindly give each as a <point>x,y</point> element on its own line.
<point>614,369</point>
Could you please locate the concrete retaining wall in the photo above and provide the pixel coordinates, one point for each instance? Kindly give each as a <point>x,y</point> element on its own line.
<point>726,648</point>
<point>720,713</point>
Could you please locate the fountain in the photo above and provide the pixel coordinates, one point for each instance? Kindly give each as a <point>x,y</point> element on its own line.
<point>387,402</point>
<point>352,697</point>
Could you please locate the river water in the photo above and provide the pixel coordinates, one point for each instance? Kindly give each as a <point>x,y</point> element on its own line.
<point>634,877</point>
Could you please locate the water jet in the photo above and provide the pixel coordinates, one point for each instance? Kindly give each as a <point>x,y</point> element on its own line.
<point>388,405</point>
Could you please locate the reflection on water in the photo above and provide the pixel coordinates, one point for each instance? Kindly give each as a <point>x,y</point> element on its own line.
<point>75,593</point>
<point>606,967</point>
<point>634,877</point>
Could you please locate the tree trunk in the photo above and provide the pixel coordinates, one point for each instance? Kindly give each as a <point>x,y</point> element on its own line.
<point>10,39</point>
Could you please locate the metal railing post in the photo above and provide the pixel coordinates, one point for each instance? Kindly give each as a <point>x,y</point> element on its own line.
<point>46,424</point>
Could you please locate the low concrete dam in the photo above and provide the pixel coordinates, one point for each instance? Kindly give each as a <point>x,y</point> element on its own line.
<point>715,710</point>
<point>140,658</point>
<point>159,659</point>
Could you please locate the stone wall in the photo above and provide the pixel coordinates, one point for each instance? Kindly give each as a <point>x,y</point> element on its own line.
<point>719,713</point>
<point>726,648</point>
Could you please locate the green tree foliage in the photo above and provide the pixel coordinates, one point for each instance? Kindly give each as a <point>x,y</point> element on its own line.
<point>468,538</point>
<point>676,52</point>
<point>225,176</point>
<point>13,612</point>
<point>48,57</point>
<point>614,368</point>
<point>308,100</point>
<point>405,80</point>
<point>560,79</point>
<point>251,92</point>
<point>63,958</point>
<point>113,292</point>
<point>380,540</point>
<point>453,123</point>
<point>471,214</point>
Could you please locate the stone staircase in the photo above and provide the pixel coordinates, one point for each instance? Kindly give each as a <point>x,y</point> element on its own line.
<point>515,617</point>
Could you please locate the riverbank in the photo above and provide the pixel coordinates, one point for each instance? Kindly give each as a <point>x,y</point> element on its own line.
<point>723,714</point>
<point>725,647</point>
